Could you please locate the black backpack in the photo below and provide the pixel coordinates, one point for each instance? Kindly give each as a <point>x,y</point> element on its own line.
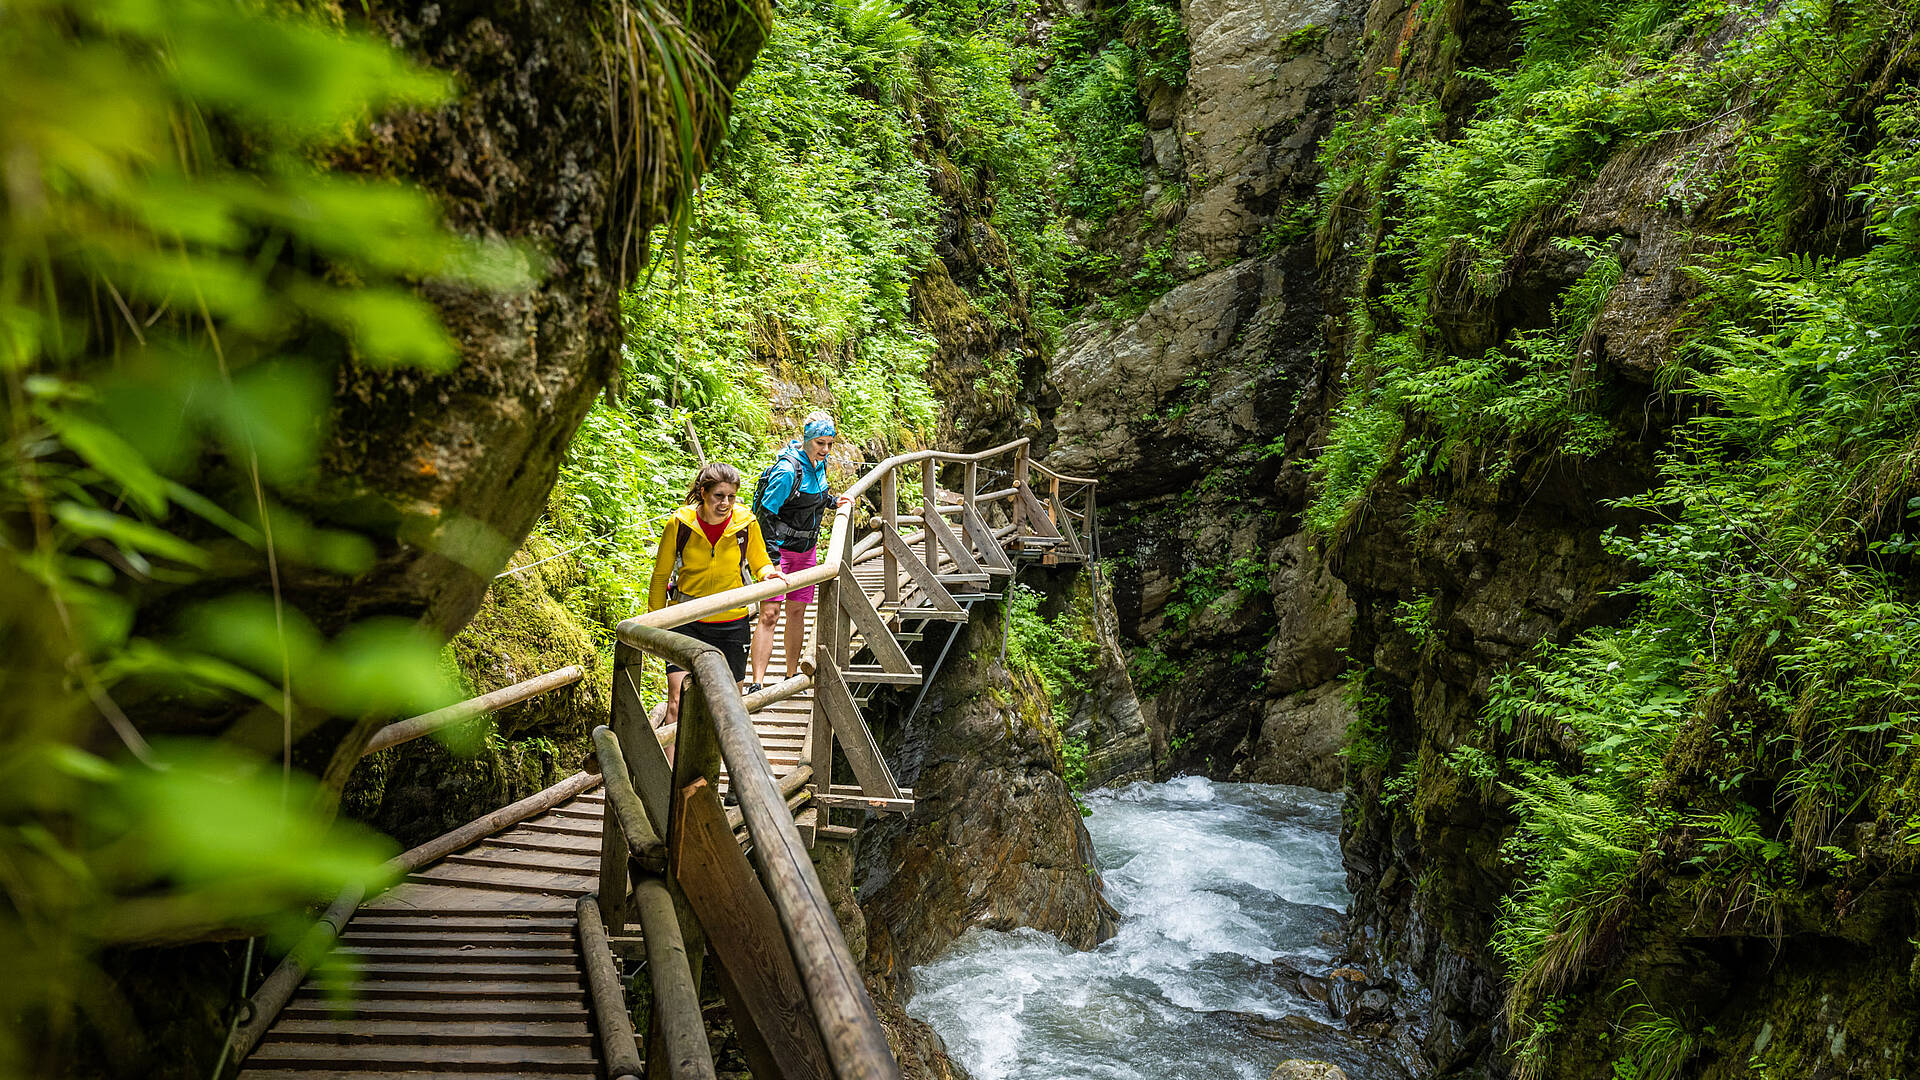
<point>797,526</point>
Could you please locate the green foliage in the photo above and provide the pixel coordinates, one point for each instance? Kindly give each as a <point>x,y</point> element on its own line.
<point>1100,58</point>
<point>1764,679</point>
<point>1060,658</point>
<point>1074,760</point>
<point>180,278</point>
<point>1365,748</point>
<point>1152,670</point>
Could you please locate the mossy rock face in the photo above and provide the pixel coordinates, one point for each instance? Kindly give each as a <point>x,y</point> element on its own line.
<point>421,789</point>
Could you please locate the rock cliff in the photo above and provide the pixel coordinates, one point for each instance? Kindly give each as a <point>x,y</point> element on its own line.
<point>1196,413</point>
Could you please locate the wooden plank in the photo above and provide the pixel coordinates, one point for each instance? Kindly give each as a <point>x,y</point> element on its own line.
<point>745,934</point>
<point>962,558</point>
<point>1035,514</point>
<point>435,1011</point>
<point>489,855</point>
<point>441,899</point>
<point>559,826</point>
<point>558,843</point>
<point>457,954</point>
<point>866,802</point>
<point>460,990</point>
<point>923,577</point>
<point>401,921</point>
<point>864,674</point>
<point>566,1060</point>
<point>1067,531</point>
<point>522,881</point>
<point>390,1074</point>
<point>401,971</point>
<point>886,651</point>
<point>856,739</point>
<point>438,1032</point>
<point>646,761</point>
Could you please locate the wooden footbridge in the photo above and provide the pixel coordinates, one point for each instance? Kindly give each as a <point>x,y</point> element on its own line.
<point>503,951</point>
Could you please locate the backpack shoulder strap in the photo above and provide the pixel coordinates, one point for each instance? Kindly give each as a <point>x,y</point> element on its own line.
<point>679,552</point>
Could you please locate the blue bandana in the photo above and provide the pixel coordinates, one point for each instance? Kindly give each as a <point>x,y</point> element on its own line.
<point>817,428</point>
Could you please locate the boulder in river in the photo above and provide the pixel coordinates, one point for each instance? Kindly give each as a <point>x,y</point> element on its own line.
<point>1302,1069</point>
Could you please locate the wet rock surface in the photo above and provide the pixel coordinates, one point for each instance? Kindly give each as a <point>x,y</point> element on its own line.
<point>994,839</point>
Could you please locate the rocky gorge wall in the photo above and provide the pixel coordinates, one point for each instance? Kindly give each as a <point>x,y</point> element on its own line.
<point>1367,654</point>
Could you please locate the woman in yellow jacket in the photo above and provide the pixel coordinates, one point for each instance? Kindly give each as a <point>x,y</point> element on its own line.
<point>710,545</point>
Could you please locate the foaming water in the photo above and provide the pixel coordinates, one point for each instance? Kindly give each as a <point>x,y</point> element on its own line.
<point>1214,883</point>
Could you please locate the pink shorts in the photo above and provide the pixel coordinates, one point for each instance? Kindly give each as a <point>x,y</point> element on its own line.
<point>792,562</point>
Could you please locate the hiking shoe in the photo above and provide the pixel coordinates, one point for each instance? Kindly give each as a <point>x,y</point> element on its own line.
<point>754,688</point>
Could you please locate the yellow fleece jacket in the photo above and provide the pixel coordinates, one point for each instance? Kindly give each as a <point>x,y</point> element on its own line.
<point>705,568</point>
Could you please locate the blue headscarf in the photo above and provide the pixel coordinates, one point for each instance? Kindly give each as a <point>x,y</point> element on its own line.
<point>816,428</point>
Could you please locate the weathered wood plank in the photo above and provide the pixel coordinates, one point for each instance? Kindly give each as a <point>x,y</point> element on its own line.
<point>577,1060</point>
<point>442,1031</point>
<point>956,552</point>
<point>923,577</point>
<point>869,766</point>
<point>879,638</point>
<point>745,934</point>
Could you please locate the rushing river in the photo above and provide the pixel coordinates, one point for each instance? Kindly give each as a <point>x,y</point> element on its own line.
<point>1220,887</point>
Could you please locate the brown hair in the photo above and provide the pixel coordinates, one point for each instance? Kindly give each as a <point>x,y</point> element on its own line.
<point>711,474</point>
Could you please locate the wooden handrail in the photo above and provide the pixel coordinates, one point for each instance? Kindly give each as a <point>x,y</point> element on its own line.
<point>843,1012</point>
<point>412,728</point>
<point>1062,477</point>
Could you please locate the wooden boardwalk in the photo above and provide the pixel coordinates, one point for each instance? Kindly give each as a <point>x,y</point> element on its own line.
<point>473,966</point>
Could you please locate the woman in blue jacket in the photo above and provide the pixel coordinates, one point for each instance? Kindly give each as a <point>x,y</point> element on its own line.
<point>792,503</point>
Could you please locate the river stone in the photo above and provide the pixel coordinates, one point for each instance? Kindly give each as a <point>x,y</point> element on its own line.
<point>1301,1069</point>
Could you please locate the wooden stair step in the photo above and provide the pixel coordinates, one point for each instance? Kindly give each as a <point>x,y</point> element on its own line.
<point>335,1073</point>
<point>457,988</point>
<point>418,897</point>
<point>580,810</point>
<point>559,843</point>
<point>547,823</point>
<point>502,855</point>
<point>438,1032</point>
<point>436,1010</point>
<point>400,921</point>
<point>548,971</point>
<point>576,1060</point>
<point>452,953</point>
<point>478,939</point>
<point>524,881</point>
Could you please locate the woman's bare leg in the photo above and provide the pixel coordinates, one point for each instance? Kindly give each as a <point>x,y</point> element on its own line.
<point>763,628</point>
<point>796,634</point>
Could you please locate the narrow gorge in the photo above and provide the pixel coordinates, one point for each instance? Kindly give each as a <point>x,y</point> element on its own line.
<point>1496,650</point>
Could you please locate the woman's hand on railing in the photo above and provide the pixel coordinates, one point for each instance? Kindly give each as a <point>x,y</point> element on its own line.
<point>773,574</point>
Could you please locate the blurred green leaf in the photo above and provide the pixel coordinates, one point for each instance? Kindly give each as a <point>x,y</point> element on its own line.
<point>129,534</point>
<point>113,456</point>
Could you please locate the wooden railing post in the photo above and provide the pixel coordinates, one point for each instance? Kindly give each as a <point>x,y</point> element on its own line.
<point>627,721</point>
<point>930,496</point>
<point>1018,509</point>
<point>890,513</point>
<point>826,620</point>
<point>696,756</point>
